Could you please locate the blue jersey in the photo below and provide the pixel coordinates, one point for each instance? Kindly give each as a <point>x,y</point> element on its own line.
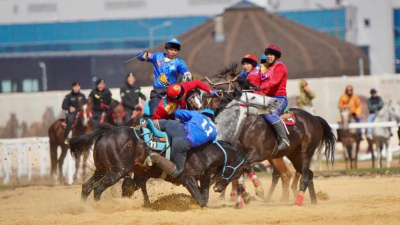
<point>165,73</point>
<point>200,128</point>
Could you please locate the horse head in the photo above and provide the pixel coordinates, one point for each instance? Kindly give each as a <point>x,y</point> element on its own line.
<point>193,100</point>
<point>346,118</point>
<point>83,115</point>
<point>117,112</point>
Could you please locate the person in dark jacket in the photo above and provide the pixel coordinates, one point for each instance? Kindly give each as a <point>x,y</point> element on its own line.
<point>130,95</point>
<point>99,101</point>
<point>375,103</point>
<point>70,104</point>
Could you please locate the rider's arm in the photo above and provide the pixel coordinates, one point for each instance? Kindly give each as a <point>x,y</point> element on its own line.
<point>146,56</point>
<point>276,78</point>
<point>370,106</point>
<point>342,102</point>
<point>188,86</point>
<point>183,115</point>
<point>65,105</point>
<point>141,95</point>
<point>160,112</point>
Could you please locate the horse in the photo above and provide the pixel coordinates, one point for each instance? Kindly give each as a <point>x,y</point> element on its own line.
<point>114,115</point>
<point>381,137</point>
<point>118,152</point>
<point>349,138</point>
<point>258,140</point>
<point>56,134</point>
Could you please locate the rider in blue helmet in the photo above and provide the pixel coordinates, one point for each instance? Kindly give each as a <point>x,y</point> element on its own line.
<point>167,68</point>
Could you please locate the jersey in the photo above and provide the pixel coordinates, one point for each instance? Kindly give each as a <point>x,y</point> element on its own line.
<point>130,96</point>
<point>254,77</point>
<point>166,107</point>
<point>199,127</point>
<point>273,80</point>
<point>165,73</point>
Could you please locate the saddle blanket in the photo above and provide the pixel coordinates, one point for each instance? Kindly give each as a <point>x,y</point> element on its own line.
<point>289,118</point>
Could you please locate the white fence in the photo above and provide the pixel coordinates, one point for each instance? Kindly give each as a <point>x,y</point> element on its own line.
<point>28,157</point>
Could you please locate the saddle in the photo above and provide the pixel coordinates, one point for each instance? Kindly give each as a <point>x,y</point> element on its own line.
<point>288,117</point>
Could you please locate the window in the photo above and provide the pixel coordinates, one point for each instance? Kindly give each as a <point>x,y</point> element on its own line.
<point>30,85</point>
<point>6,86</point>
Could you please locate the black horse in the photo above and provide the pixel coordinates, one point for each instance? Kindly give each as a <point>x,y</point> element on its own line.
<point>258,139</point>
<point>117,152</point>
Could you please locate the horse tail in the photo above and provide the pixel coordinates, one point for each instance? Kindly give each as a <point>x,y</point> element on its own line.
<point>328,140</point>
<point>81,144</point>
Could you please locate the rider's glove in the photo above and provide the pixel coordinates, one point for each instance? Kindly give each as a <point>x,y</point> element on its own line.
<point>143,55</point>
<point>187,77</point>
<point>214,92</point>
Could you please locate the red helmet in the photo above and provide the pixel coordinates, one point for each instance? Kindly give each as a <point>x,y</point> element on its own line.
<point>175,92</point>
<point>273,49</point>
<point>250,59</point>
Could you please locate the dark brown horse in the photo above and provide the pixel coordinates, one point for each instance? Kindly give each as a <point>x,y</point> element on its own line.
<point>118,152</point>
<point>258,139</point>
<point>56,134</point>
<point>349,138</point>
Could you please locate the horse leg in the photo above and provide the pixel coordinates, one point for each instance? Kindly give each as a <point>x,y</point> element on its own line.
<point>191,184</point>
<point>303,165</point>
<point>87,187</point>
<point>234,190</point>
<point>53,159</point>
<point>356,154</point>
<point>240,190</point>
<point>129,186</point>
<point>371,150</point>
<point>77,162</point>
<point>275,179</point>
<point>311,188</point>
<point>378,155</point>
<point>286,175</point>
<point>84,164</point>
<point>109,179</point>
<point>388,153</point>
<point>205,185</point>
<point>256,182</point>
<point>142,184</point>
<point>346,155</point>
<point>245,195</point>
<point>64,151</point>
<point>295,184</point>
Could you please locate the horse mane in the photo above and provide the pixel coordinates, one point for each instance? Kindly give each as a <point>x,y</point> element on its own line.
<point>230,69</point>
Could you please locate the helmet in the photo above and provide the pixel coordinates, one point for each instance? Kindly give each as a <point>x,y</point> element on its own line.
<point>208,111</point>
<point>173,43</point>
<point>175,92</point>
<point>250,59</point>
<point>373,91</point>
<point>263,58</point>
<point>273,49</point>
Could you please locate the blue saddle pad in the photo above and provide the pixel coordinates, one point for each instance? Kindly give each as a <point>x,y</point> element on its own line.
<point>147,111</point>
<point>151,136</point>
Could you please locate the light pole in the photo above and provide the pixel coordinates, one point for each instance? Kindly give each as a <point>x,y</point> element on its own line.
<point>151,29</point>
<point>44,75</point>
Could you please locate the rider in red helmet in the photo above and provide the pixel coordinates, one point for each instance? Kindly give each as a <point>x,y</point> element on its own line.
<point>176,98</point>
<point>273,84</point>
<point>251,70</point>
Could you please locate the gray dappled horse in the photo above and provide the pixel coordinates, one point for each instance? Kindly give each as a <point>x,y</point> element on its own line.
<point>381,136</point>
<point>349,138</point>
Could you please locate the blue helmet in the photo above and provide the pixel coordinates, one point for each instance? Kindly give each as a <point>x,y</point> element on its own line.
<point>263,59</point>
<point>208,111</point>
<point>173,43</point>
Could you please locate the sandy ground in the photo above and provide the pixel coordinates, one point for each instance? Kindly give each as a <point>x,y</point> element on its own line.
<point>342,200</point>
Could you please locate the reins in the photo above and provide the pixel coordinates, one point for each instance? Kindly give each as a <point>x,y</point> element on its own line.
<point>225,162</point>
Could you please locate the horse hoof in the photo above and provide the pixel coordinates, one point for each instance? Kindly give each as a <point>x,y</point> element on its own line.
<point>246,198</point>
<point>260,192</point>
<point>239,202</point>
<point>204,208</point>
<point>234,196</point>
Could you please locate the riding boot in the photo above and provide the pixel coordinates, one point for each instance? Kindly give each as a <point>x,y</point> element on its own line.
<point>283,140</point>
<point>164,164</point>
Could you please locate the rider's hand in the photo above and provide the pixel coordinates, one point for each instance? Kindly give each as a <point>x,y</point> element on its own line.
<point>256,88</point>
<point>145,54</point>
<point>187,77</point>
<point>214,93</point>
<point>72,109</point>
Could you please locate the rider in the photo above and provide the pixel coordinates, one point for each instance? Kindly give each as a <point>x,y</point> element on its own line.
<point>193,130</point>
<point>273,84</point>
<point>167,68</point>
<point>130,97</point>
<point>352,102</point>
<point>176,98</point>
<point>70,104</point>
<point>251,70</point>
<point>375,103</point>
<point>99,101</point>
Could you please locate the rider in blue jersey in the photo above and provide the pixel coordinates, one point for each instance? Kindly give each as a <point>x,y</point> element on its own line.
<point>167,68</point>
<point>193,130</point>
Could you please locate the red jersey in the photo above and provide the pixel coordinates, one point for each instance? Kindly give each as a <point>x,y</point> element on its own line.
<point>167,107</point>
<point>273,80</point>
